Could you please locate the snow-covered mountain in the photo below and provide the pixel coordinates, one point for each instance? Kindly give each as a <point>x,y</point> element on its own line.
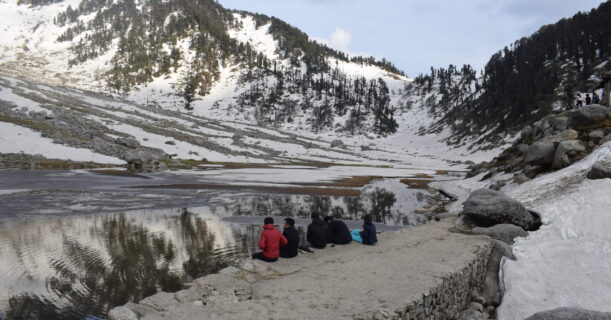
<point>200,60</point>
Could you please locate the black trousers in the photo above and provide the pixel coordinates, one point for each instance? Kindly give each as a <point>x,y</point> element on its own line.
<point>260,256</point>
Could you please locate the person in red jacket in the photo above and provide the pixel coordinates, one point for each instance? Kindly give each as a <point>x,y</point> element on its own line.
<point>270,242</point>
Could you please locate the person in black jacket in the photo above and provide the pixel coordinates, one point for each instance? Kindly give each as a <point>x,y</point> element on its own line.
<point>317,234</point>
<point>292,235</point>
<point>369,231</point>
<point>338,231</point>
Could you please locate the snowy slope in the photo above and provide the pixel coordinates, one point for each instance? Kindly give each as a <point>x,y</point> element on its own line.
<point>567,262</point>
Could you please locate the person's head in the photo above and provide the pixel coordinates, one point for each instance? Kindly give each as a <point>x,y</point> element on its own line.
<point>587,94</point>
<point>315,216</point>
<point>289,223</point>
<point>368,219</point>
<point>328,219</point>
<point>268,220</point>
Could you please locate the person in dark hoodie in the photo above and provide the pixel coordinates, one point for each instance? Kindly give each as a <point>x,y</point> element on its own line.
<point>292,235</point>
<point>369,231</point>
<point>338,231</point>
<point>317,233</point>
<point>270,242</point>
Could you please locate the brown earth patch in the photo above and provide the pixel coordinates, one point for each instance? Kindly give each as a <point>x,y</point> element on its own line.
<point>416,183</point>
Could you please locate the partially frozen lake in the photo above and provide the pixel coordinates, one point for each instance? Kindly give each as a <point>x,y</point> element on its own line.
<point>73,244</point>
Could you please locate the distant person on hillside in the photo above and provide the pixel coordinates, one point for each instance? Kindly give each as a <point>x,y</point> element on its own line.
<point>292,236</point>
<point>579,100</point>
<point>369,231</point>
<point>588,99</point>
<point>338,231</point>
<point>595,98</point>
<point>270,242</point>
<point>318,231</point>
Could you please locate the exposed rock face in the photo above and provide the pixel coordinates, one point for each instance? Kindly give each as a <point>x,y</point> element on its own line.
<point>566,151</point>
<point>128,142</point>
<point>122,313</point>
<point>570,314</point>
<point>552,143</point>
<point>600,170</point>
<point>143,160</point>
<point>338,144</point>
<point>589,116</point>
<point>541,153</point>
<point>504,232</point>
<point>488,207</point>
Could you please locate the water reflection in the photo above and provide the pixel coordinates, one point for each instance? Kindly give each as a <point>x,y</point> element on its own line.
<point>78,266</point>
<point>100,262</point>
<point>387,200</point>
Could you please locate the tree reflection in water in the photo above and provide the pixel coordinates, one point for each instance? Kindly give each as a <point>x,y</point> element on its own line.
<point>132,264</point>
<point>378,202</point>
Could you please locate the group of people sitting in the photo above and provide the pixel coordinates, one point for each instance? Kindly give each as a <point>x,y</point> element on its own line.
<point>319,233</point>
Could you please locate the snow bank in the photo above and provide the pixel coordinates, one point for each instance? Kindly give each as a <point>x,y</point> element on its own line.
<point>567,263</point>
<point>17,139</point>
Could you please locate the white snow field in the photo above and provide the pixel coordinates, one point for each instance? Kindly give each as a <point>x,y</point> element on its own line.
<point>567,262</point>
<point>17,139</point>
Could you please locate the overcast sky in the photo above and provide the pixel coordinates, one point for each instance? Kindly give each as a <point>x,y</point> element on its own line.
<point>417,34</point>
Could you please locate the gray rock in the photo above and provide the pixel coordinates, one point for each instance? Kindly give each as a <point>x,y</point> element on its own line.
<point>561,123</point>
<point>561,136</point>
<point>600,170</point>
<point>128,142</point>
<point>596,135</point>
<point>161,301</point>
<point>171,142</point>
<point>504,232</point>
<point>139,159</point>
<point>541,153</point>
<point>488,207</point>
<point>561,158</point>
<point>472,314</point>
<point>365,148</point>
<point>588,116</point>
<point>522,147</point>
<point>338,144</point>
<point>122,313</point>
<point>570,314</point>
<point>606,139</point>
<point>526,133</point>
<point>520,178</point>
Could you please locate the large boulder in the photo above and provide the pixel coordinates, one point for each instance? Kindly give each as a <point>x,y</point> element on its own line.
<point>565,153</point>
<point>568,134</point>
<point>139,159</point>
<point>128,142</point>
<point>338,144</point>
<point>600,170</point>
<point>589,116</point>
<point>487,207</point>
<point>570,314</point>
<point>503,232</point>
<point>122,313</point>
<point>606,139</point>
<point>561,123</point>
<point>540,153</point>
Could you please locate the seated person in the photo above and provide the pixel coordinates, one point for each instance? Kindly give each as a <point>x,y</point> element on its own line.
<point>292,235</point>
<point>338,231</point>
<point>317,234</point>
<point>369,231</point>
<point>270,242</point>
